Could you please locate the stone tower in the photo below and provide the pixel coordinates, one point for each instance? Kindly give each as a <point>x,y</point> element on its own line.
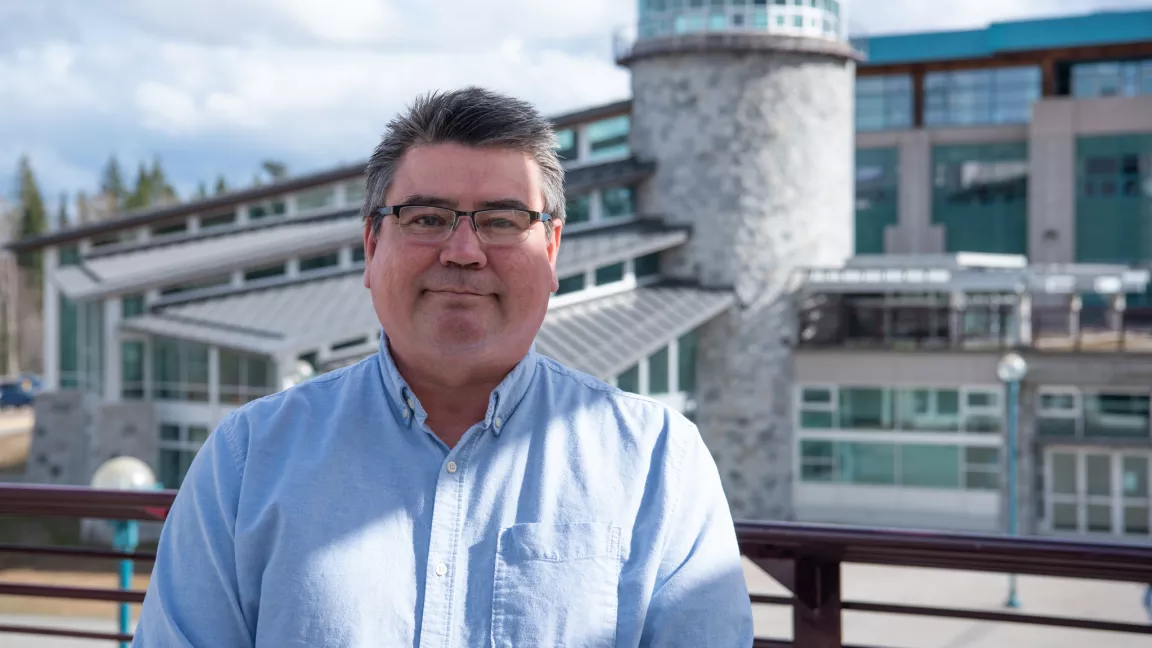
<point>747,109</point>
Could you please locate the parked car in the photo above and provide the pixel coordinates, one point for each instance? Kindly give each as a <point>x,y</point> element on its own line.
<point>19,392</point>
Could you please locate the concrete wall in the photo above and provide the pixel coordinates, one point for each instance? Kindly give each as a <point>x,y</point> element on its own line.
<point>915,234</point>
<point>1056,123</point>
<point>940,369</point>
<point>755,151</point>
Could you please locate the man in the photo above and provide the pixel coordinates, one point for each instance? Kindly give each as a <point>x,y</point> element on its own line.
<point>455,489</point>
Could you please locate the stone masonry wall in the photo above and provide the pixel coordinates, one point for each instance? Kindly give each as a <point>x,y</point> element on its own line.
<point>755,151</point>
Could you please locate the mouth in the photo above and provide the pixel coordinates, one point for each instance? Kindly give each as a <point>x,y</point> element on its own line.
<point>458,293</point>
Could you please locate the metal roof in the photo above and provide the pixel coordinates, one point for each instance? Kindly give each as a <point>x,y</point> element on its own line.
<point>589,249</point>
<point>605,336</point>
<point>205,256</point>
<point>601,336</point>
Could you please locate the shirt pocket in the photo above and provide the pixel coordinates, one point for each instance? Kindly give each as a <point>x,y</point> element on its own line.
<point>556,585</point>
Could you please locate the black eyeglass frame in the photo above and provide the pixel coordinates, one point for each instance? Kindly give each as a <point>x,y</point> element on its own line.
<point>536,216</point>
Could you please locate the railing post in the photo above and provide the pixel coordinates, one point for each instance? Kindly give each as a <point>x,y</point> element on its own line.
<point>816,615</point>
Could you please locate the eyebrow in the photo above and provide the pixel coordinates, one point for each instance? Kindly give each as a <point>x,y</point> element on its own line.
<point>434,201</point>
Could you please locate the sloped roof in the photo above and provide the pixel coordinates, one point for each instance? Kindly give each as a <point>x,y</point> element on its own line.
<point>213,255</point>
<point>601,336</point>
<point>580,251</point>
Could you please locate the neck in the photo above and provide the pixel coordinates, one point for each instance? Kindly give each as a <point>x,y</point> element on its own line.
<point>454,396</point>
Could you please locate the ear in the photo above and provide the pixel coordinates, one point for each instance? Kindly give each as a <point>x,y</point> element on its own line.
<point>369,252</point>
<point>554,253</point>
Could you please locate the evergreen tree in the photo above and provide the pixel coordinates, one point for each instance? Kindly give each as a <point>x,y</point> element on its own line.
<point>112,183</point>
<point>275,169</point>
<point>221,185</point>
<point>33,217</point>
<point>163,193</point>
<point>142,194</point>
<point>201,191</point>
<point>62,211</point>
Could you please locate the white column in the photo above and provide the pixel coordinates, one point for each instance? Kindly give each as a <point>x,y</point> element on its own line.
<point>214,375</point>
<point>583,148</point>
<point>113,377</point>
<point>1024,319</point>
<point>51,329</point>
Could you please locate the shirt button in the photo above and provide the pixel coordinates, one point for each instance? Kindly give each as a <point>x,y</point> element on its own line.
<point>451,466</point>
<point>411,403</point>
<point>441,569</point>
<point>498,422</point>
<point>405,414</point>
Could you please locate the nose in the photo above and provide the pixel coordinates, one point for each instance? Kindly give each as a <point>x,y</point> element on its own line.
<point>463,246</point>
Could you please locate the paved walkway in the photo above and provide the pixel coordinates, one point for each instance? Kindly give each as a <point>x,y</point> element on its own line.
<point>1049,596</point>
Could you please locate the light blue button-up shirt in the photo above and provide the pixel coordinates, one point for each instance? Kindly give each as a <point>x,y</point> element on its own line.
<point>574,514</point>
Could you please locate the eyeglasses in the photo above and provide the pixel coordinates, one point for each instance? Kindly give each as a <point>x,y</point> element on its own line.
<point>436,224</point>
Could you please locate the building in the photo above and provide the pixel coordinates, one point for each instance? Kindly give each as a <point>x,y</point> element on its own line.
<point>1003,191</point>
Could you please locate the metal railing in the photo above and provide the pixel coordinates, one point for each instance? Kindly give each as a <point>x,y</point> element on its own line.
<point>806,559</point>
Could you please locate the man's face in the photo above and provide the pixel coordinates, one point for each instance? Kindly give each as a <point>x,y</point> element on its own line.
<point>462,297</point>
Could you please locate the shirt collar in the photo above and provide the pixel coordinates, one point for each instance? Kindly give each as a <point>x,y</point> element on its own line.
<point>501,404</point>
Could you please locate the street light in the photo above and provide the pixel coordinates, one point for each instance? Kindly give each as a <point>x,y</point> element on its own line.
<point>1011,370</point>
<point>125,473</point>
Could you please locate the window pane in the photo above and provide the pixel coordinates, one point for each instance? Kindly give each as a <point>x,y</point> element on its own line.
<point>865,407</point>
<point>687,360</point>
<point>259,373</point>
<point>1057,427</point>
<point>217,220</point>
<point>265,272</point>
<point>610,274</point>
<point>317,262</point>
<point>930,466</point>
<point>1116,415</point>
<point>658,372</point>
<point>132,368</point>
<point>1058,402</point>
<point>1134,476</point>
<point>358,254</point>
<point>1098,474</point>
<point>131,306</point>
<point>608,137</point>
<point>929,410</point>
<point>197,434</point>
<point>578,210</point>
<point>866,463</point>
<point>647,265</point>
<point>566,140</point>
<point>1136,520</point>
<point>256,212</point>
<point>229,368</point>
<point>817,420</point>
<point>1100,518</point>
<point>1064,517</point>
<point>816,396</point>
<point>196,380</point>
<point>1064,474</point>
<point>571,284</point>
<point>69,255</point>
<point>170,468</point>
<point>169,432</point>
<point>816,461</point>
<point>629,381</point>
<point>354,192</point>
<point>316,198</point>
<point>984,457</point>
<point>981,480</point>
<point>617,202</point>
<point>987,423</point>
<point>983,399</point>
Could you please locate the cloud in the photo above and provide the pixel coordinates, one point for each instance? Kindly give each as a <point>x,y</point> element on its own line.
<point>216,86</point>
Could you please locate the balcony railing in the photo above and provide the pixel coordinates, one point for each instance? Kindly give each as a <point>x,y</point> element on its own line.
<point>977,328</point>
<point>805,559</point>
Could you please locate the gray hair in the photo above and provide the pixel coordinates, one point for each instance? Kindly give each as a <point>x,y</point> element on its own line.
<point>473,117</point>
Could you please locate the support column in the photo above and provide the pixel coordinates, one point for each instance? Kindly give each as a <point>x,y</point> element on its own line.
<point>816,616</point>
<point>1024,320</point>
<point>113,377</point>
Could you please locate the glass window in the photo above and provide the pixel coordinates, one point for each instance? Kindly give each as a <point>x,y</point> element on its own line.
<point>256,212</point>
<point>131,306</point>
<point>567,147</point>
<point>618,202</point>
<point>1112,78</point>
<point>317,262</point>
<point>316,198</point>
<point>930,466</point>
<point>571,284</point>
<point>980,197</point>
<point>686,354</point>
<point>243,377</point>
<point>647,265</point>
<point>658,375</point>
<point>865,408</point>
<point>629,381</point>
<point>982,468</point>
<point>265,272</point>
<point>877,197</point>
<point>608,138</point>
<point>178,227</point>
<point>355,192</point>
<point>578,210</point>
<point>178,447</point>
<point>1134,476</point>
<point>928,410</point>
<point>989,96</point>
<point>1064,478</point>
<point>610,274</point>
<point>1113,194</point>
<point>883,102</point>
<point>279,207</point>
<point>132,369</point>
<point>218,220</point>
<point>69,255</point>
<point>1116,415</point>
<point>358,254</point>
<point>817,462</point>
<point>866,463</point>
<point>179,370</point>
<point>216,282</point>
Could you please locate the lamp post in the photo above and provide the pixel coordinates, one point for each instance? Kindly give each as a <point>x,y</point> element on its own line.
<point>1011,370</point>
<point>125,473</point>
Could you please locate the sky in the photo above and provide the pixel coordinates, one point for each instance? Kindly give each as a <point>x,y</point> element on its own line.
<point>216,86</point>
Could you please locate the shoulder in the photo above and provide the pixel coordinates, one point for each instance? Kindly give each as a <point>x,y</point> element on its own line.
<point>282,417</point>
<point>636,419</point>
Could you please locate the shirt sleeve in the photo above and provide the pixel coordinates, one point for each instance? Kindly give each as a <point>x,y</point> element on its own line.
<point>700,596</point>
<point>193,597</point>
